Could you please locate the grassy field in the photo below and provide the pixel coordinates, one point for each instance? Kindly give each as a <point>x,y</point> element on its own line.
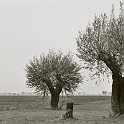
<point>34,110</point>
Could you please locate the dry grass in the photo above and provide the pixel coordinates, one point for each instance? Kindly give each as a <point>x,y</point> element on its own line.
<point>87,110</point>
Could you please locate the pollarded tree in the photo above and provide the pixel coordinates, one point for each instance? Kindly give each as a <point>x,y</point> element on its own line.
<point>52,74</point>
<point>103,43</point>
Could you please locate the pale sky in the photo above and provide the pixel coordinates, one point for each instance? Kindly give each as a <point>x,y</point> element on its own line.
<point>32,27</point>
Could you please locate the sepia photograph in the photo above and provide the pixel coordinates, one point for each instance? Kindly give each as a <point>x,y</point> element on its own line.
<point>61,61</point>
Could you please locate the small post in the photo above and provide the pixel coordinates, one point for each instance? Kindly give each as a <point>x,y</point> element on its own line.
<point>69,109</point>
<point>69,106</point>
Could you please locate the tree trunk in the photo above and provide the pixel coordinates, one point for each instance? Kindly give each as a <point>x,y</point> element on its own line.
<point>117,98</point>
<point>54,100</point>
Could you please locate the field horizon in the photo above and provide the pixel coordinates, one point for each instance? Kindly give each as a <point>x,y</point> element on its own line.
<point>34,110</point>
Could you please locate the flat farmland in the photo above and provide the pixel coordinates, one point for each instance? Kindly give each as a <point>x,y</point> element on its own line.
<point>34,110</point>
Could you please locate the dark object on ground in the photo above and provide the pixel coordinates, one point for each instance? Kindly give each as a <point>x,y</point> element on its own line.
<point>69,112</point>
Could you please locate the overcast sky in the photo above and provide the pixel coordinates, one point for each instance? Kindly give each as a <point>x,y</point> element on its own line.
<point>32,27</point>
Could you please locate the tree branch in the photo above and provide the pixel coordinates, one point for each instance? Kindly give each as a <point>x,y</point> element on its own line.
<point>110,61</point>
